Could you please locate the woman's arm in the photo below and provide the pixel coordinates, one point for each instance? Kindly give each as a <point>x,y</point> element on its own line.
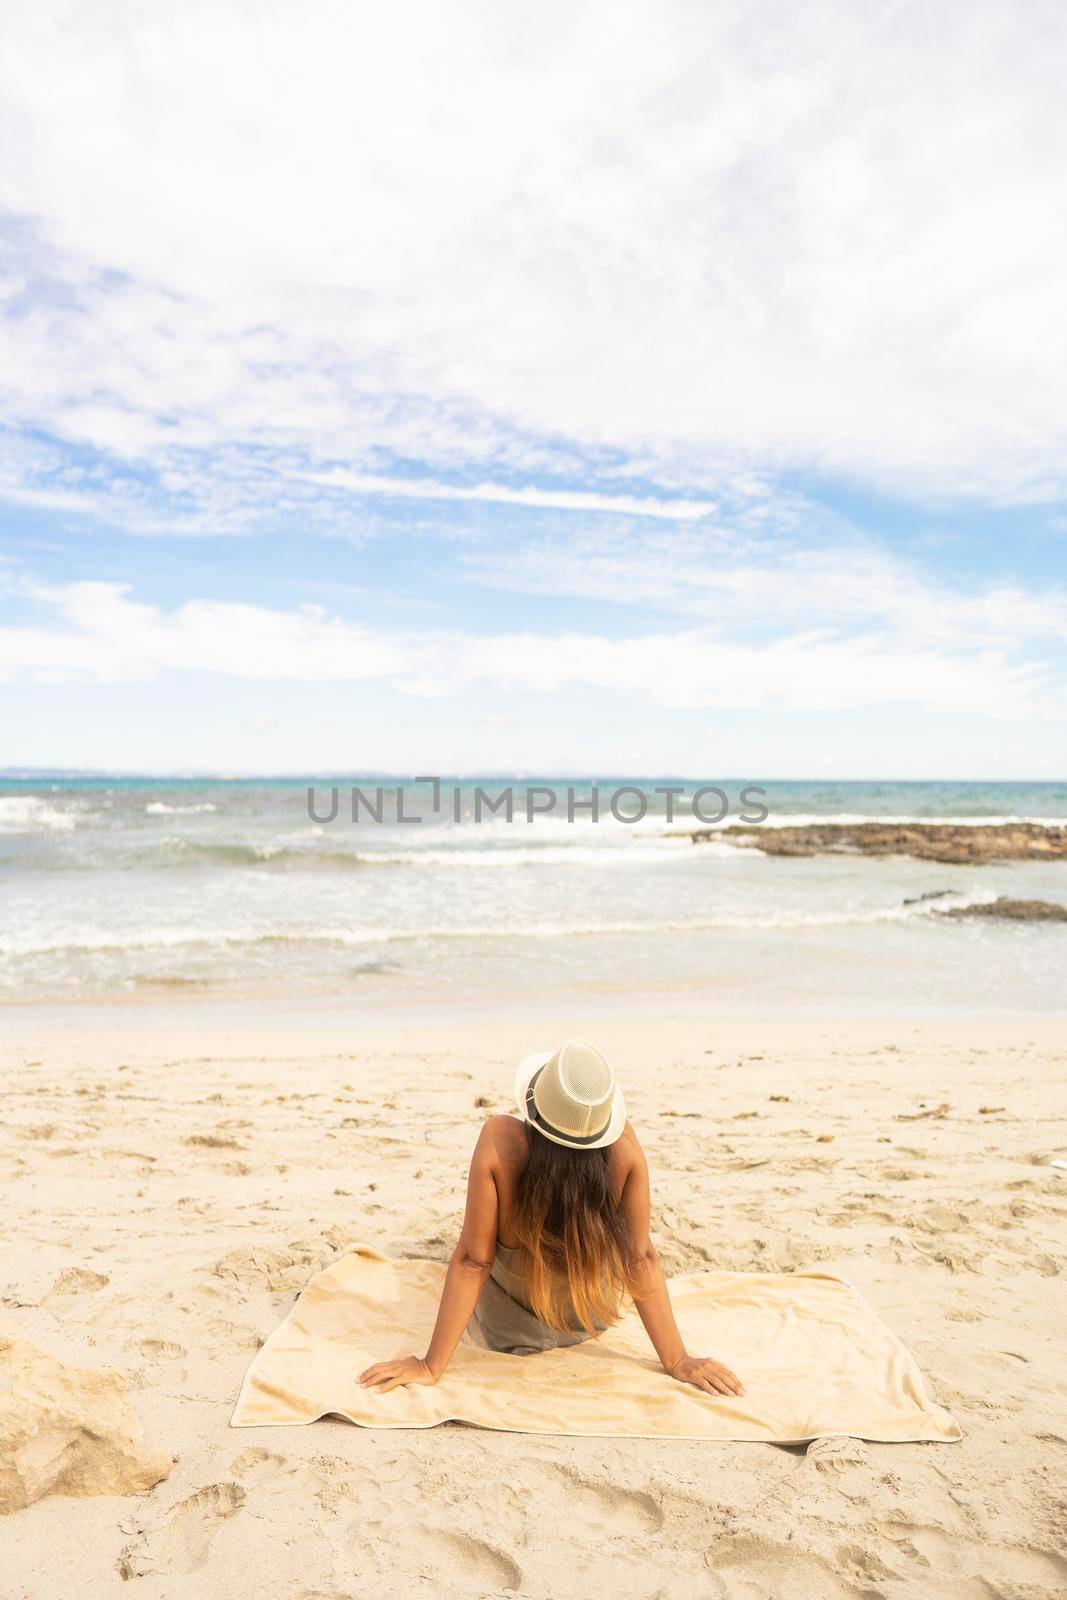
<point>651,1296</point>
<point>467,1271</point>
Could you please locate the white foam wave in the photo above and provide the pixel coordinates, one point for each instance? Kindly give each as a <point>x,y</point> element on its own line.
<point>97,940</point>
<point>76,941</point>
<point>498,856</point>
<point>27,813</point>
<point>607,826</point>
<point>159,808</point>
<point>684,821</point>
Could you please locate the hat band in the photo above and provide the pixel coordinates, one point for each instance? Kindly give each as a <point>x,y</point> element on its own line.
<point>539,1121</point>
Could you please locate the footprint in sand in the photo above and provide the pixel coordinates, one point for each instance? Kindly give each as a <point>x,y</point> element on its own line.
<point>747,1566</point>
<point>607,1508</point>
<point>234,1335</point>
<point>1044,1570</point>
<point>1048,1265</point>
<point>457,1559</point>
<point>988,1565</point>
<point>836,1453</point>
<point>161,1350</point>
<point>259,1268</point>
<point>863,1566</point>
<point>939,1219</point>
<point>72,1282</point>
<point>181,1540</point>
<point>256,1465</point>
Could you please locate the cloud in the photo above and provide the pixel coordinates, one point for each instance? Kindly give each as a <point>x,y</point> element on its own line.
<point>499,494</point>
<point>769,584</point>
<point>97,632</point>
<point>584,250</point>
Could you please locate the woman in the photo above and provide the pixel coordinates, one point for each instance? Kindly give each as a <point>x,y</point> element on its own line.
<point>555,1231</point>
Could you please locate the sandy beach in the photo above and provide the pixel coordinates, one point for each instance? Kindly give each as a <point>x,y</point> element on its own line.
<point>174,1184</point>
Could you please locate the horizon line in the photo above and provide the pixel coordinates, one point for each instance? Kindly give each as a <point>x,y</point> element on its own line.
<point>195,775</point>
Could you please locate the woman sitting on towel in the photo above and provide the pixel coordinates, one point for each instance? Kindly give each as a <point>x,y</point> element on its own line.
<point>555,1231</point>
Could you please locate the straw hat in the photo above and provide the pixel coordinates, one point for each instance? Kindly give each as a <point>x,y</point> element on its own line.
<point>571,1096</point>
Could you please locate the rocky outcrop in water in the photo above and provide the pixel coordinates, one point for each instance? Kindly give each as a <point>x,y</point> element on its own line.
<point>67,1430</point>
<point>1014,910</point>
<point>949,842</point>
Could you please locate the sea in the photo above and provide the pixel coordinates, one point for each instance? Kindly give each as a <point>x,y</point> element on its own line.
<point>117,888</point>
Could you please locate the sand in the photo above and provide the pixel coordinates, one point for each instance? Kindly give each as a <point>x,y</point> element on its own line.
<point>171,1186</point>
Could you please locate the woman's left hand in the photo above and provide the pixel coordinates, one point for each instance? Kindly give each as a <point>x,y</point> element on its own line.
<point>385,1375</point>
<point>703,1373</point>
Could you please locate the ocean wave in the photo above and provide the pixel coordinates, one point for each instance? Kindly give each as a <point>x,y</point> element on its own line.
<point>99,941</point>
<point>95,940</point>
<point>27,813</point>
<point>683,822</point>
<point>159,808</point>
<point>177,851</point>
<point>90,941</point>
<point>193,852</point>
<point>496,855</point>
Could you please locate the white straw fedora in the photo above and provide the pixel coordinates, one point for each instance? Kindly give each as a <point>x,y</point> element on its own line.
<point>570,1095</point>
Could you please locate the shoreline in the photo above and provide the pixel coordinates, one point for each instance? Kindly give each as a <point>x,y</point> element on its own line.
<point>408,1012</point>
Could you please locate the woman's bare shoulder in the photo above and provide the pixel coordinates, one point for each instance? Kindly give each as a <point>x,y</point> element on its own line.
<point>505,1136</point>
<point>626,1152</point>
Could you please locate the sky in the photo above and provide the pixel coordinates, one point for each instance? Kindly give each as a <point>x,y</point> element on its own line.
<point>558,387</point>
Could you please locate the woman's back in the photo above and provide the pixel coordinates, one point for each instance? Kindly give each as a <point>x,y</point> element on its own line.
<point>505,1317</point>
<point>512,1144</point>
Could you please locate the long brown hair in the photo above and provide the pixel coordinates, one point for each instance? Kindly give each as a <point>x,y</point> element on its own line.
<point>572,1233</point>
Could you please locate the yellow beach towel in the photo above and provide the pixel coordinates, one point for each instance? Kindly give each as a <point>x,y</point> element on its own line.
<point>814,1359</point>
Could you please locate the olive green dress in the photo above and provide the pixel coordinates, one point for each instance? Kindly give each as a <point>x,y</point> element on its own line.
<point>503,1319</point>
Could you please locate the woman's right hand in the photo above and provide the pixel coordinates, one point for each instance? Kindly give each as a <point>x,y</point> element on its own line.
<point>703,1373</point>
<point>386,1375</point>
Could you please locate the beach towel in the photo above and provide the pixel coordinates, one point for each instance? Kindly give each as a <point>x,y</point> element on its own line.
<point>814,1358</point>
